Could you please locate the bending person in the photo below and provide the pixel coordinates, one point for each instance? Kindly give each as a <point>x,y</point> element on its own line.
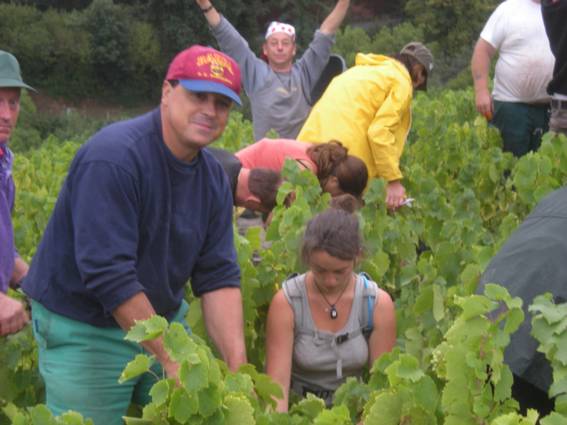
<point>367,108</point>
<point>279,89</point>
<point>255,189</point>
<point>337,171</point>
<point>329,323</point>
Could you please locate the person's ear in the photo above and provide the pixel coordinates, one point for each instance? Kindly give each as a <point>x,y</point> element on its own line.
<point>166,89</point>
<point>254,203</point>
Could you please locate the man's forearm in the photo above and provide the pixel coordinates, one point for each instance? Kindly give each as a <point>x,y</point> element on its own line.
<point>334,20</point>
<point>480,65</point>
<point>222,311</point>
<point>135,309</point>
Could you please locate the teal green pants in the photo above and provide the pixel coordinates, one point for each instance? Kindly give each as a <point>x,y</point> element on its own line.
<point>80,365</point>
<point>521,125</point>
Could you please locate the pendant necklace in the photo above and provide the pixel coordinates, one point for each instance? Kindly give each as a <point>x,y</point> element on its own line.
<point>333,307</point>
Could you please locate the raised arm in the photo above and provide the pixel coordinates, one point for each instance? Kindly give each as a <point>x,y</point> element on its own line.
<point>480,65</point>
<point>253,70</point>
<point>211,14</point>
<point>334,20</point>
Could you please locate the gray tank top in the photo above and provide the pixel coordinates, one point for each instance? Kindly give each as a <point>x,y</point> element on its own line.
<point>323,360</point>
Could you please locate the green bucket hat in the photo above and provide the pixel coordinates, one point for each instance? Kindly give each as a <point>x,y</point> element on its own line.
<point>10,75</point>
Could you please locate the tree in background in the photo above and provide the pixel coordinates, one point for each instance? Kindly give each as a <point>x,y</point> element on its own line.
<point>451,23</point>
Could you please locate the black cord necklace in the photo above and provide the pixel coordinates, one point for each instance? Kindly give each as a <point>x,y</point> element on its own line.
<point>333,307</point>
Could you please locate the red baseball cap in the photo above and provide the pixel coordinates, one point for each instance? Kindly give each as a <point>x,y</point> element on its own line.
<point>206,70</point>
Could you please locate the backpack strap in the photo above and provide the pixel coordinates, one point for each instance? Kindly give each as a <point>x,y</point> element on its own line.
<point>367,314</point>
<point>292,291</point>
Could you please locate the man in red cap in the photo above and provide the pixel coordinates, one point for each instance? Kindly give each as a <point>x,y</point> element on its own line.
<point>143,210</point>
<point>279,88</point>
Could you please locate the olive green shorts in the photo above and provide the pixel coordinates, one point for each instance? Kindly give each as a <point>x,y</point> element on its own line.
<point>81,363</point>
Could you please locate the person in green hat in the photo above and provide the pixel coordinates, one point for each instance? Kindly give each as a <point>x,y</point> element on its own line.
<point>13,315</point>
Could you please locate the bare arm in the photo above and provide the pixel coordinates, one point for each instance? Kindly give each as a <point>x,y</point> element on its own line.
<point>334,20</point>
<point>222,312</point>
<point>383,337</point>
<point>20,271</point>
<point>13,315</point>
<point>480,66</point>
<point>279,346</point>
<point>136,308</point>
<point>212,16</point>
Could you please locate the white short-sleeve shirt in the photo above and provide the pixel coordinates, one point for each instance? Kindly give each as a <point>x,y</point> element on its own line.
<point>525,62</point>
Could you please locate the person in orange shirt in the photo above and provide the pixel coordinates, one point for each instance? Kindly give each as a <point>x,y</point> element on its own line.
<point>337,171</point>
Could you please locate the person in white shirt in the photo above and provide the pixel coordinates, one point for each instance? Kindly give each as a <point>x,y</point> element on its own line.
<point>519,103</point>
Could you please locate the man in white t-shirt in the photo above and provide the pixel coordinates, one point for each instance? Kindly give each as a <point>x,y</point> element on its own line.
<point>519,105</point>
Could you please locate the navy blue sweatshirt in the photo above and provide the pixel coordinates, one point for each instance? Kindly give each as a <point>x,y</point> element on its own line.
<point>132,218</point>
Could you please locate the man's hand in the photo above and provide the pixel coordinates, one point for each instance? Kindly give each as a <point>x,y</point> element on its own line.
<point>203,4</point>
<point>13,315</point>
<point>212,15</point>
<point>395,194</point>
<point>484,103</point>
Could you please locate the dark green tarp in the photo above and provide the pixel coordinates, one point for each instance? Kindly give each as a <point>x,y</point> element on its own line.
<point>533,261</point>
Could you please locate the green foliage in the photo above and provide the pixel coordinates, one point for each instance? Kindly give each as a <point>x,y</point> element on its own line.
<point>447,367</point>
<point>39,176</point>
<point>452,23</point>
<point>478,383</point>
<point>548,327</point>
<point>388,41</point>
<point>20,383</point>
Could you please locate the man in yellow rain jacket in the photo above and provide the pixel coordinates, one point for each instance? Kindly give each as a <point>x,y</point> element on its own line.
<point>367,108</point>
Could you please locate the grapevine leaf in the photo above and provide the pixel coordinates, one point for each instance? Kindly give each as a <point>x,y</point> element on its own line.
<point>40,415</point>
<point>73,418</point>
<point>338,415</point>
<point>178,343</point>
<point>239,382</point>
<point>182,405</point>
<point>193,377</point>
<point>386,409</point>
<point>141,364</point>
<point>209,401</point>
<point>554,419</point>
<point>145,330</point>
<point>310,407</point>
<point>160,392</point>
<point>238,410</point>
<point>266,388</point>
